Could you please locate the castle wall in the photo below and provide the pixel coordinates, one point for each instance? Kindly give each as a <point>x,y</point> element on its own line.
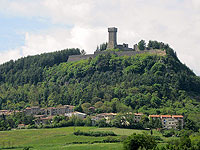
<point>79,57</point>
<point>120,53</point>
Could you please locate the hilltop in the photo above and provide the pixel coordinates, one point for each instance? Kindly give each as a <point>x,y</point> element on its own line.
<point>144,82</point>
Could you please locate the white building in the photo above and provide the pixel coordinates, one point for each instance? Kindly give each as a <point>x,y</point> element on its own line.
<point>77,114</point>
<point>170,121</point>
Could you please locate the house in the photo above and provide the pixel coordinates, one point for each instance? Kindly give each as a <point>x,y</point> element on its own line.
<point>179,122</point>
<point>32,110</point>
<point>44,120</point>
<point>21,126</point>
<point>50,111</point>
<point>77,114</point>
<point>154,116</point>
<point>169,121</point>
<point>27,111</point>
<point>60,110</point>
<point>138,117</point>
<point>107,116</point>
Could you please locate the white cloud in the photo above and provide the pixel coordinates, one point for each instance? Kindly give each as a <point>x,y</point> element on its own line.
<point>58,39</point>
<point>9,54</point>
<point>175,22</point>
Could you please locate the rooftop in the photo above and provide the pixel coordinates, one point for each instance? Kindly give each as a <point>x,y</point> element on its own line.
<point>166,116</point>
<point>154,116</point>
<point>138,114</point>
<point>177,116</point>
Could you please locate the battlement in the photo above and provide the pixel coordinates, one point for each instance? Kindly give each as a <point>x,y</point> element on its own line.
<point>112,29</point>
<point>112,44</point>
<point>120,53</point>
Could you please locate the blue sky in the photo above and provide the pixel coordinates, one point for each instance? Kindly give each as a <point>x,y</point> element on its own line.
<point>13,29</point>
<point>29,27</point>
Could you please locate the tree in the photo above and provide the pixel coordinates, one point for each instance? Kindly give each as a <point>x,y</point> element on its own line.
<point>83,52</point>
<point>98,104</point>
<point>88,121</point>
<point>85,107</point>
<point>139,141</point>
<point>142,45</point>
<point>102,47</point>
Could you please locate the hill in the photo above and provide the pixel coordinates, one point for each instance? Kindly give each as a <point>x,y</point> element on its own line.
<point>29,69</point>
<point>146,83</point>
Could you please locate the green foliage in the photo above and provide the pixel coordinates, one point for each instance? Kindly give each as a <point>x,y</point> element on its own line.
<point>8,122</point>
<point>142,45</point>
<point>30,69</point>
<point>184,143</point>
<point>155,123</point>
<point>59,138</point>
<point>146,83</point>
<point>95,133</point>
<point>102,47</point>
<point>157,45</point>
<point>139,141</point>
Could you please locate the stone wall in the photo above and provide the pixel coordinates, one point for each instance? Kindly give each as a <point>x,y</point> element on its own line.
<point>79,57</point>
<point>120,53</point>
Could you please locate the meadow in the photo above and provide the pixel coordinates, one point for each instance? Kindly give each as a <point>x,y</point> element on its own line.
<point>63,138</point>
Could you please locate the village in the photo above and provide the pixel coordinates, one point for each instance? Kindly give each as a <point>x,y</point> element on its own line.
<point>43,116</point>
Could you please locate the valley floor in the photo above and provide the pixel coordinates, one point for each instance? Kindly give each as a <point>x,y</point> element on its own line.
<point>62,138</point>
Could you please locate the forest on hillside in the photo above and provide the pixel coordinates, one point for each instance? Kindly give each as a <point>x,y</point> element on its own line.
<point>30,69</point>
<point>146,83</point>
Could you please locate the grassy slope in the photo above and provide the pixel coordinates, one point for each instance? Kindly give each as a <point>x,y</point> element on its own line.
<point>45,139</point>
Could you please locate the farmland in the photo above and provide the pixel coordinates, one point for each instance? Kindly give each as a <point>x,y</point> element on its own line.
<point>63,138</point>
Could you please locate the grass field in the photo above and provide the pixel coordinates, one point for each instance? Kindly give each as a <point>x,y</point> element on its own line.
<point>62,138</point>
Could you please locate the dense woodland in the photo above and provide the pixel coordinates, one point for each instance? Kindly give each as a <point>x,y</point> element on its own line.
<point>145,83</point>
<point>30,69</point>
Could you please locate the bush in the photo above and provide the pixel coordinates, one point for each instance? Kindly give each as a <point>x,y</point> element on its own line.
<point>139,141</point>
<point>157,138</point>
<point>170,133</point>
<point>95,133</point>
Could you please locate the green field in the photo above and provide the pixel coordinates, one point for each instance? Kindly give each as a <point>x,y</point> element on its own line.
<point>61,138</point>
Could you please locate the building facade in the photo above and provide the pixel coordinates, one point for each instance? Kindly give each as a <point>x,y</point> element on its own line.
<point>169,121</point>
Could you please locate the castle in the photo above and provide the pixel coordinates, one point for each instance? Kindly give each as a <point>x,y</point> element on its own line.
<point>112,44</point>
<point>112,41</point>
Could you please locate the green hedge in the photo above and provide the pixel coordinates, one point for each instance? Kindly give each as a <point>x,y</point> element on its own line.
<point>95,133</point>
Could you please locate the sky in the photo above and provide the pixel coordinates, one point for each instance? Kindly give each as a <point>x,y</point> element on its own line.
<point>29,27</point>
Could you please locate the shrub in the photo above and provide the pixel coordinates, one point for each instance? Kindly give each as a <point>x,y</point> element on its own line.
<point>139,141</point>
<point>95,133</point>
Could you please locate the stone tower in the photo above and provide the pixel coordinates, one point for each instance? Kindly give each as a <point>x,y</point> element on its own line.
<point>112,38</point>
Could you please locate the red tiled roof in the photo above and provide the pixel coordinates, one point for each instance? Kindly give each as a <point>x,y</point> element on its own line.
<point>51,108</point>
<point>138,114</point>
<point>166,116</point>
<point>21,124</point>
<point>177,116</point>
<point>154,116</point>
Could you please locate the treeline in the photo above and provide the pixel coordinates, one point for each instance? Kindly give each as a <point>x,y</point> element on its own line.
<point>12,121</point>
<point>142,45</point>
<point>30,69</point>
<point>144,141</point>
<point>152,45</point>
